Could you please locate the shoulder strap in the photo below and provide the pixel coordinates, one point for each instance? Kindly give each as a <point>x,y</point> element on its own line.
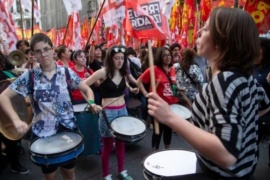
<point>8,74</point>
<point>68,83</point>
<point>192,81</point>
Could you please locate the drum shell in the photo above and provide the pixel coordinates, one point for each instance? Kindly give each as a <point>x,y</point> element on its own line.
<point>56,159</point>
<point>88,126</point>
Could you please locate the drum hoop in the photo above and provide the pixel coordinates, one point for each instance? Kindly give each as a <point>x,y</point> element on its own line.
<point>125,134</point>
<point>171,149</point>
<point>128,138</point>
<point>59,153</point>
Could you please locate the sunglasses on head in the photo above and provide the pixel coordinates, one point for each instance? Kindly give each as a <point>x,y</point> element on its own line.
<point>117,49</point>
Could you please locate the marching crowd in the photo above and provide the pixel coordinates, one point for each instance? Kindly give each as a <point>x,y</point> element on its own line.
<point>225,76</point>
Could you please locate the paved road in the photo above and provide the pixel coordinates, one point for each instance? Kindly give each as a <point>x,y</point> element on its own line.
<point>89,168</point>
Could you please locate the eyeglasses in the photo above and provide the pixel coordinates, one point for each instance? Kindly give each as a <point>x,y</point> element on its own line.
<point>45,51</point>
<point>116,49</point>
<point>166,55</point>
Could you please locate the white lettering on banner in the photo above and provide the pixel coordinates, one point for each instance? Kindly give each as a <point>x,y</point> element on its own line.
<point>142,22</point>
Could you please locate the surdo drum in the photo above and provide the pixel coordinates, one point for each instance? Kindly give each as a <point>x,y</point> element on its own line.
<point>88,126</point>
<point>58,149</point>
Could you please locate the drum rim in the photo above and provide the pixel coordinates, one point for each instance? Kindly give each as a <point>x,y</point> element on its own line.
<point>112,129</point>
<point>129,138</point>
<point>171,149</point>
<point>59,153</point>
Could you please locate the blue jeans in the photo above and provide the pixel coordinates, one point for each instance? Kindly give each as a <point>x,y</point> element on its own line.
<point>111,115</point>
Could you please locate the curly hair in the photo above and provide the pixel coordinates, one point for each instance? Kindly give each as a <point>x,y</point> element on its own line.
<point>187,58</point>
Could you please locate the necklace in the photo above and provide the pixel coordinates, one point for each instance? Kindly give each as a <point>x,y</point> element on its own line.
<point>49,69</point>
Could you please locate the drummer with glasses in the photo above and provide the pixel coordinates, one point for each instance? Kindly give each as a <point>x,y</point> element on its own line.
<point>113,82</point>
<point>48,86</point>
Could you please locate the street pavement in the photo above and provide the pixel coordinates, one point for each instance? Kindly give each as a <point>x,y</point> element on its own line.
<point>89,168</point>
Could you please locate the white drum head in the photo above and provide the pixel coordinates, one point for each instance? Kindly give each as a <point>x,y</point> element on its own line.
<point>58,143</point>
<point>181,111</point>
<point>79,107</point>
<point>127,125</point>
<point>171,163</point>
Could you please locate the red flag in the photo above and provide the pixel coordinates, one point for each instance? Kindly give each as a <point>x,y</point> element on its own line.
<point>144,19</point>
<point>260,11</point>
<point>205,8</point>
<point>7,27</point>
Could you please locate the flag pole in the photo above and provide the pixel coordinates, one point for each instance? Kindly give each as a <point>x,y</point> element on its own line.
<point>92,30</point>
<point>22,19</point>
<point>66,30</point>
<point>236,4</point>
<point>32,29</point>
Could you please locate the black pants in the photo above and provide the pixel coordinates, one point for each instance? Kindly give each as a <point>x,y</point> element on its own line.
<point>167,136</point>
<point>12,152</point>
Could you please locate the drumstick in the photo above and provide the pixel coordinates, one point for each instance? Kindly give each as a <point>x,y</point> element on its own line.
<point>186,99</point>
<point>152,77</point>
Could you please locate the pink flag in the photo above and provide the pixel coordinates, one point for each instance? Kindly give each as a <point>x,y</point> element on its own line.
<point>8,4</point>
<point>7,27</point>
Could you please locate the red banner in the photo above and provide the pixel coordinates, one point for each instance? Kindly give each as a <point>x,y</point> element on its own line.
<point>260,11</point>
<point>144,19</point>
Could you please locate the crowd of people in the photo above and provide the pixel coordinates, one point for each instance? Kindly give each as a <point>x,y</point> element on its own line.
<point>226,76</point>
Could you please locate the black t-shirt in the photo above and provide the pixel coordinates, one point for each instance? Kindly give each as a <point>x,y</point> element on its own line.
<point>96,65</point>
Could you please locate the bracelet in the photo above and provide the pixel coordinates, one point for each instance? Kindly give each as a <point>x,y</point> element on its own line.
<point>91,101</point>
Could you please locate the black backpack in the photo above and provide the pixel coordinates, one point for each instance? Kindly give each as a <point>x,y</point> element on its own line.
<point>135,70</point>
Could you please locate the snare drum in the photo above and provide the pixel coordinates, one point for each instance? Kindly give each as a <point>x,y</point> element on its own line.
<point>57,150</point>
<point>169,164</point>
<point>181,111</point>
<point>88,126</point>
<point>128,129</point>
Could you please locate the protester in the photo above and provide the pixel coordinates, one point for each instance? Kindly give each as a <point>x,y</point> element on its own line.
<point>63,53</point>
<point>11,151</point>
<point>49,93</point>
<point>21,45</point>
<point>31,60</point>
<point>188,74</point>
<point>224,128</point>
<point>166,86</point>
<point>175,48</point>
<point>112,85</point>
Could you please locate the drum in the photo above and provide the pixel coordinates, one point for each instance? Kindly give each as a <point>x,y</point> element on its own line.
<point>58,149</point>
<point>134,108</point>
<point>169,164</point>
<point>181,111</point>
<point>88,126</point>
<point>128,129</point>
<point>23,108</point>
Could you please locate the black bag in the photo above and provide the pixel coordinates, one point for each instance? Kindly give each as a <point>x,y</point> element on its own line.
<point>135,70</point>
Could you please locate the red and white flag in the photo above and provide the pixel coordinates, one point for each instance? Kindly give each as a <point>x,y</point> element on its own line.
<point>27,4</point>
<point>76,41</point>
<point>72,6</point>
<point>8,4</point>
<point>7,27</point>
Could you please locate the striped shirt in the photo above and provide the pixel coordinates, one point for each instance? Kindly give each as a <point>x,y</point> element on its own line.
<point>228,107</point>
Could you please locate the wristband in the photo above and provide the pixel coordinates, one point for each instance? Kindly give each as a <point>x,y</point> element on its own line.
<point>91,101</point>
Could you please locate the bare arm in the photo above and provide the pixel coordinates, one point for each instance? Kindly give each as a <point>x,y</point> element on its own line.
<point>97,76</point>
<point>141,87</point>
<point>6,106</point>
<point>204,142</point>
<point>91,53</point>
<point>5,48</point>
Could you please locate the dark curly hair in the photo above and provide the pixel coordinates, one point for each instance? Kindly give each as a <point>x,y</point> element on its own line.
<point>187,58</point>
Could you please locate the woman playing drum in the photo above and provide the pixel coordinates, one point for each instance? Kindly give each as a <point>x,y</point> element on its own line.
<point>48,87</point>
<point>112,86</point>
<point>226,111</point>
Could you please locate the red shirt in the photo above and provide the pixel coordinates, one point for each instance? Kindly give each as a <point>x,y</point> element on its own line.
<point>76,94</point>
<point>164,89</point>
<point>70,63</point>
